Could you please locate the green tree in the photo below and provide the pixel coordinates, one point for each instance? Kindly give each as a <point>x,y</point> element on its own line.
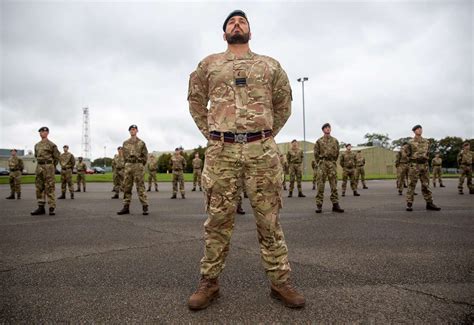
<point>376,139</point>
<point>449,148</point>
<point>164,162</point>
<point>99,162</point>
<point>397,144</point>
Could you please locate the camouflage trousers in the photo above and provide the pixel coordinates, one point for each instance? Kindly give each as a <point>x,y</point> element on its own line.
<point>296,172</point>
<point>466,172</point>
<point>81,179</point>
<point>118,180</point>
<point>45,185</point>
<point>197,173</point>
<point>419,171</point>
<point>402,176</point>
<point>258,165</point>
<point>66,180</point>
<point>437,173</point>
<point>360,173</point>
<point>178,178</point>
<point>348,173</point>
<point>327,171</point>
<point>134,173</point>
<point>152,179</point>
<point>315,177</point>
<point>283,183</point>
<point>15,181</point>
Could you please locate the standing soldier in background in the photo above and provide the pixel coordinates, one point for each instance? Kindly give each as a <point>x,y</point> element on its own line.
<point>15,166</point>
<point>197,169</point>
<point>47,157</point>
<point>135,155</point>
<point>295,158</point>
<point>326,152</point>
<point>284,165</point>
<point>315,173</point>
<point>401,163</point>
<point>465,165</point>
<point>348,164</point>
<point>250,101</point>
<point>178,164</point>
<point>360,170</point>
<point>436,163</point>
<point>118,165</point>
<point>81,175</point>
<point>152,165</point>
<point>67,162</point>
<point>417,153</point>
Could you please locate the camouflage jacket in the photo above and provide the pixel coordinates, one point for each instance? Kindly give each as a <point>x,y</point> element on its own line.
<point>47,151</point>
<point>436,162</point>
<point>177,162</point>
<point>284,162</point>
<point>67,160</point>
<point>314,165</point>
<point>294,157</point>
<point>248,94</point>
<point>347,160</point>
<point>152,164</point>
<point>135,151</point>
<point>402,157</point>
<point>360,160</point>
<point>326,148</point>
<point>81,167</point>
<point>465,158</point>
<point>197,163</point>
<point>418,150</point>
<point>118,162</point>
<point>15,164</point>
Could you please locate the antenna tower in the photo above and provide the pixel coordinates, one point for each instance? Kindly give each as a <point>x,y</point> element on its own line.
<point>86,140</point>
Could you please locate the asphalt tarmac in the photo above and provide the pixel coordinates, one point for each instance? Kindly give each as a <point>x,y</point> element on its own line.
<point>375,263</point>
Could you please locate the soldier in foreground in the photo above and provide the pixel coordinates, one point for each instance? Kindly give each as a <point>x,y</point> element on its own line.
<point>81,175</point>
<point>135,155</point>
<point>67,162</point>
<point>197,171</point>
<point>152,170</point>
<point>178,164</point>
<point>348,164</point>
<point>250,101</point>
<point>401,163</point>
<point>465,165</point>
<point>295,158</point>
<point>326,152</point>
<point>436,164</point>
<point>15,166</point>
<point>47,157</point>
<point>118,166</point>
<point>417,153</point>
<point>314,167</point>
<point>360,170</point>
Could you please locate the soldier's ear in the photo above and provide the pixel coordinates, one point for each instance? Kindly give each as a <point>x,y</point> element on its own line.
<point>224,37</point>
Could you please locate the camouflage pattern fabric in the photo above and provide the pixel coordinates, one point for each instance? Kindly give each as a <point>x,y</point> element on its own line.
<point>118,166</point>
<point>152,165</point>
<point>47,156</point>
<point>67,162</point>
<point>348,164</point>
<point>465,166</point>
<point>15,166</point>
<point>178,163</point>
<point>326,152</point>
<point>417,153</point>
<point>436,164</point>
<point>197,171</point>
<point>314,166</point>
<point>81,175</point>
<point>295,166</point>
<point>401,163</point>
<point>360,169</point>
<point>135,154</point>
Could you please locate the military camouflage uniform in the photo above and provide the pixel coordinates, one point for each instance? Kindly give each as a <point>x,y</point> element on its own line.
<point>465,165</point>
<point>47,157</point>
<point>401,163</point>
<point>284,164</point>
<point>326,152</point>
<point>417,154</point>
<point>295,165</point>
<point>15,165</point>
<point>81,175</point>
<point>315,173</point>
<point>197,171</point>
<point>360,170</point>
<point>348,164</point>
<point>67,162</point>
<point>178,164</point>
<point>152,170</point>
<point>248,94</point>
<point>437,172</point>
<point>135,155</point>
<point>118,166</point>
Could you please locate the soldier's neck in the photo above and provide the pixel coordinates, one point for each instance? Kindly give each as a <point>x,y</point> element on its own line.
<point>44,139</point>
<point>239,50</point>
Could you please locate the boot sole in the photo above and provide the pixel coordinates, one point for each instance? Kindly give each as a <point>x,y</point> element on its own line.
<point>277,296</point>
<point>214,297</point>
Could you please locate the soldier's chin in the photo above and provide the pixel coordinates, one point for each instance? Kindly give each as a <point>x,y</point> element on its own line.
<point>237,39</point>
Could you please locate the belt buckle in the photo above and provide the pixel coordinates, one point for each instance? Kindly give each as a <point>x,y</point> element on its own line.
<point>240,138</point>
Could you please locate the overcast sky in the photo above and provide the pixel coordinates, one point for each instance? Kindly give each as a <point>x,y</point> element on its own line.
<point>373,66</point>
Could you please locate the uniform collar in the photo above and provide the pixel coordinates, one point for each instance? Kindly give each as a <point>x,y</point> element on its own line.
<point>231,56</point>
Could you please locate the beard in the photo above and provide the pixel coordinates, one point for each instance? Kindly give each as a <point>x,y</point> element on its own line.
<point>237,38</point>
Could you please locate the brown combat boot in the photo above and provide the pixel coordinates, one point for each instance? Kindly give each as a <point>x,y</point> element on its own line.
<point>431,206</point>
<point>287,295</point>
<point>239,209</point>
<point>62,197</point>
<point>145,210</point>
<point>319,208</point>
<point>207,291</point>
<point>337,208</point>
<point>125,210</point>
<point>39,211</point>
<point>11,196</point>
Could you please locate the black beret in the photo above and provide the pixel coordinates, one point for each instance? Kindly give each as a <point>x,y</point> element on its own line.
<point>418,126</point>
<point>176,149</point>
<point>118,148</point>
<point>232,14</point>
<point>294,140</point>
<point>66,146</point>
<point>133,126</point>
<point>465,144</point>
<point>13,150</point>
<point>325,125</point>
<point>43,128</point>
<point>348,144</point>
<point>80,158</point>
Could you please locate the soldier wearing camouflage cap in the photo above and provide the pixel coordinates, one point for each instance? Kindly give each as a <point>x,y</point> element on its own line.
<point>250,101</point>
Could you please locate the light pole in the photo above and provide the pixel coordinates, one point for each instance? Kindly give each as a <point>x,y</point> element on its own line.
<point>302,80</point>
<point>105,155</point>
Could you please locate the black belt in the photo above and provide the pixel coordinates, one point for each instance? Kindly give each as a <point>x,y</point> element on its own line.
<point>44,162</point>
<point>14,170</point>
<point>66,168</point>
<point>327,159</point>
<point>230,137</point>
